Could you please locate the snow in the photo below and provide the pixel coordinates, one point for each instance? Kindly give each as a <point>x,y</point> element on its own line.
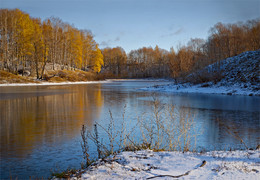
<point>238,75</point>
<point>146,164</point>
<point>80,82</point>
<point>214,89</point>
<point>50,83</point>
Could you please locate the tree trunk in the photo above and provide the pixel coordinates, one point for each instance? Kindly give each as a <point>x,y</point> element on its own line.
<point>36,61</point>
<point>44,63</point>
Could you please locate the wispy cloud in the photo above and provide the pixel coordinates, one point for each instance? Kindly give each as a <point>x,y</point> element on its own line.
<point>117,39</point>
<point>177,32</point>
<point>105,43</point>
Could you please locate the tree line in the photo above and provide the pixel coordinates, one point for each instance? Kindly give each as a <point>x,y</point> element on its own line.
<point>27,42</point>
<point>224,40</point>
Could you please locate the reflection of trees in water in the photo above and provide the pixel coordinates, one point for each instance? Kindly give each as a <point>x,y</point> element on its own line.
<point>27,122</point>
<point>48,115</point>
<point>228,126</point>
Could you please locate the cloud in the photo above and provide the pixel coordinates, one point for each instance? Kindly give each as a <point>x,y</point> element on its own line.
<point>122,33</point>
<point>108,42</point>
<point>177,32</point>
<point>117,38</point>
<point>171,27</point>
<point>105,43</point>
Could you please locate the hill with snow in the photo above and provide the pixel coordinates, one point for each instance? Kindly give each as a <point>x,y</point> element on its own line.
<point>234,75</point>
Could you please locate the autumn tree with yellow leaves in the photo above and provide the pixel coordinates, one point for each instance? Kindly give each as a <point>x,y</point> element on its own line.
<point>96,61</point>
<point>30,43</point>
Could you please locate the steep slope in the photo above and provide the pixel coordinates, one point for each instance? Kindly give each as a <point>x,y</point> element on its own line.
<point>234,75</point>
<point>241,69</point>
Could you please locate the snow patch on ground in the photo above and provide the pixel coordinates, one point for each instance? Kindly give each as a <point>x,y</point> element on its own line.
<point>80,82</point>
<point>235,89</point>
<point>146,164</point>
<point>50,83</point>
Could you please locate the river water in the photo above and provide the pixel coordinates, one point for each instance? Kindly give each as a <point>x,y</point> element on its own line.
<point>40,125</point>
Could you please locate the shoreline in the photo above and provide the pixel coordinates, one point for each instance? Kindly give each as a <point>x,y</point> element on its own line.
<point>39,83</point>
<point>169,88</point>
<point>148,164</point>
<point>54,83</point>
<point>187,88</point>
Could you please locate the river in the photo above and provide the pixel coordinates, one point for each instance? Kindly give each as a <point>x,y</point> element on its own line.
<point>40,125</point>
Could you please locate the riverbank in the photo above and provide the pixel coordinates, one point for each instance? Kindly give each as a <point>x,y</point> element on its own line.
<point>53,83</point>
<point>44,83</point>
<point>56,77</point>
<point>235,89</point>
<point>171,88</point>
<point>147,164</point>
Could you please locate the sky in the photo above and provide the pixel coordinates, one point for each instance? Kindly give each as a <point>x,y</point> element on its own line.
<point>132,24</point>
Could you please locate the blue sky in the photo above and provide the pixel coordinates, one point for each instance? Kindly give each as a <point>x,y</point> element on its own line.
<point>132,24</point>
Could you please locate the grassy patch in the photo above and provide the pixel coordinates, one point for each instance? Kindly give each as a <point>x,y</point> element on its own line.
<point>51,76</point>
<point>6,77</point>
<point>65,174</point>
<point>71,76</point>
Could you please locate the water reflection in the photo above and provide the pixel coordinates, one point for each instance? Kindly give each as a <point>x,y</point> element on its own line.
<point>30,120</point>
<point>216,113</point>
<point>40,126</point>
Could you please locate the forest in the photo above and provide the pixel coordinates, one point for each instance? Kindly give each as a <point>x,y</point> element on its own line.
<point>29,45</point>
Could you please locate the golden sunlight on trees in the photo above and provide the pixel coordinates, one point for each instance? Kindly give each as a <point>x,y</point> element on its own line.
<point>28,44</point>
<point>97,60</point>
<point>38,45</point>
<point>148,62</point>
<point>114,60</point>
<point>24,36</point>
<point>225,40</point>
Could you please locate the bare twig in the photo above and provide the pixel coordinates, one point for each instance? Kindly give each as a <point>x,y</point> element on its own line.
<point>185,174</point>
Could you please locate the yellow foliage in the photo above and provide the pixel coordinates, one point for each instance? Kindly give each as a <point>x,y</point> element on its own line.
<point>98,60</point>
<point>24,33</point>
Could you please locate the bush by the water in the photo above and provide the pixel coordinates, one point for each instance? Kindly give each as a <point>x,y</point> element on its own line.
<point>167,128</point>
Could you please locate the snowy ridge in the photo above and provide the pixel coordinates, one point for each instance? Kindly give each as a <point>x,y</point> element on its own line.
<point>148,164</point>
<point>242,68</point>
<point>237,75</point>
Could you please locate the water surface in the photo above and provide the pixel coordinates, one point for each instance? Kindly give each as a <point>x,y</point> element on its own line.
<point>40,125</point>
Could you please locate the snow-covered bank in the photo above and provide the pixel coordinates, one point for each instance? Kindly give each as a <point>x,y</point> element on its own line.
<point>148,164</point>
<point>235,75</point>
<point>51,83</point>
<point>213,89</point>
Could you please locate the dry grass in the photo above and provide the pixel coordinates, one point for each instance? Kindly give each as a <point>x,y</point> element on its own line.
<point>205,76</point>
<point>72,76</point>
<point>6,77</point>
<point>51,76</point>
<point>166,128</point>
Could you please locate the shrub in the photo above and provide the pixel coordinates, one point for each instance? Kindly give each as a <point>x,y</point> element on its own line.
<point>204,77</point>
<point>167,128</point>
